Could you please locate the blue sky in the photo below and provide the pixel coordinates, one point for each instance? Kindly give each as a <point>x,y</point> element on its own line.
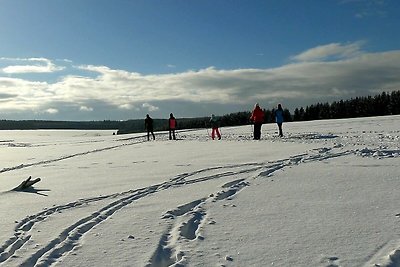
<point>121,59</point>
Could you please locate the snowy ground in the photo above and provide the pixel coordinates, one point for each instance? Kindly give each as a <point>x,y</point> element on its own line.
<point>324,195</point>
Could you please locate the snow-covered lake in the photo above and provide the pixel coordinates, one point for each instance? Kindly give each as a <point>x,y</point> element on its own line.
<point>327,194</point>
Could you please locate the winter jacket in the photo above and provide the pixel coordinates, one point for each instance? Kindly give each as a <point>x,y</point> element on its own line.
<point>257,116</point>
<point>148,124</point>
<point>214,121</point>
<point>279,116</point>
<point>172,123</point>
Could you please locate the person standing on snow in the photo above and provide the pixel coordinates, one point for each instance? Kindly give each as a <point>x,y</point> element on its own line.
<point>279,119</point>
<point>172,124</point>
<point>257,117</point>
<point>214,126</point>
<point>148,125</point>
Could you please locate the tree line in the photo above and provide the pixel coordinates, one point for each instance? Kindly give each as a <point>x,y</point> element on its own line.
<point>58,125</point>
<point>378,105</point>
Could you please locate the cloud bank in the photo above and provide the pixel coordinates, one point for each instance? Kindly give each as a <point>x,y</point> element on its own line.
<point>321,74</point>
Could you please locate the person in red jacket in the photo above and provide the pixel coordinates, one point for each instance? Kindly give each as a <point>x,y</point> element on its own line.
<point>172,124</point>
<point>257,117</point>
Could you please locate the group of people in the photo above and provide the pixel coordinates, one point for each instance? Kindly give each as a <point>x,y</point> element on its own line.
<point>257,117</point>
<point>172,125</point>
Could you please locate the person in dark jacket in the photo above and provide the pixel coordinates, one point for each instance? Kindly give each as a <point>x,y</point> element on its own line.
<point>279,118</point>
<point>148,125</point>
<point>257,117</point>
<point>172,125</point>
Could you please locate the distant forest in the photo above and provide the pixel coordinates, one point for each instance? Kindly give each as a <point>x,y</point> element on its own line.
<point>378,105</point>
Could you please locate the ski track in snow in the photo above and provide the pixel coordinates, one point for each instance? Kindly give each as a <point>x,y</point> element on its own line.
<point>43,162</point>
<point>185,222</point>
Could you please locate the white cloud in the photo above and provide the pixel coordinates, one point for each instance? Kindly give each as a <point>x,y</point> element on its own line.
<point>367,13</point>
<point>150,107</point>
<point>36,65</point>
<point>51,111</point>
<point>330,51</point>
<point>128,107</point>
<point>368,8</point>
<point>85,108</point>
<point>302,82</point>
